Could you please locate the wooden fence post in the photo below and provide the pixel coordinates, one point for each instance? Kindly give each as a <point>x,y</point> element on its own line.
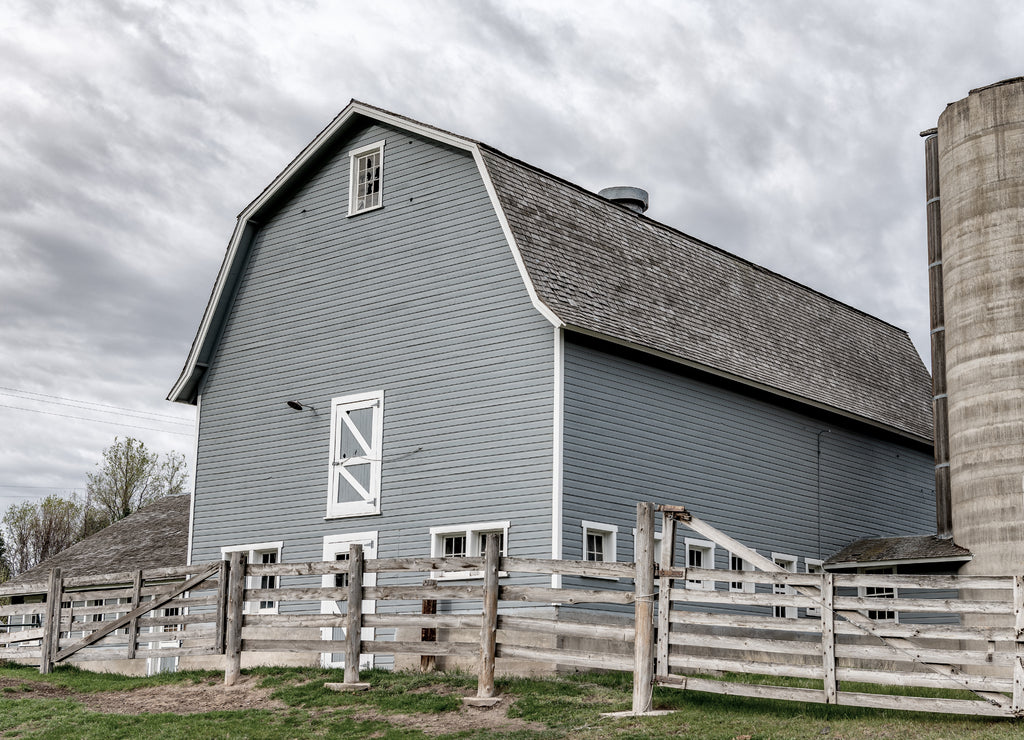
<point>51,623</point>
<point>233,633</point>
<point>354,618</point>
<point>668,556</point>
<point>643,652</point>
<point>828,637</point>
<point>428,663</point>
<point>219,640</point>
<point>1018,658</point>
<point>133,626</point>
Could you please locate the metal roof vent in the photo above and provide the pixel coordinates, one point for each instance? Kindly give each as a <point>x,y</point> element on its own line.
<point>635,199</point>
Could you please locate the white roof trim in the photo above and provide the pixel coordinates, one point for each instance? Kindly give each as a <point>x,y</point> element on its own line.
<point>245,218</point>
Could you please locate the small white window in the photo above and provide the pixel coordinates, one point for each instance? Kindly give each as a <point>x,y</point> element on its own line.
<point>337,548</point>
<point>880,592</point>
<point>738,563</point>
<point>813,565</point>
<point>657,546</point>
<point>357,435</point>
<point>700,554</point>
<point>264,552</point>
<point>599,542</point>
<point>466,541</point>
<point>789,563</point>
<point>367,178</point>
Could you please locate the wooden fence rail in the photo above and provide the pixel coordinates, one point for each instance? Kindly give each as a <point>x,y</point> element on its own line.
<point>667,624</point>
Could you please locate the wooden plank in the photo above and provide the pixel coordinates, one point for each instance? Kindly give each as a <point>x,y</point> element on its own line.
<point>924,655</point>
<point>757,691</point>
<point>828,637</point>
<point>38,607</point>
<point>93,654</point>
<point>744,643</point>
<point>418,593</point>
<point>314,568</point>
<point>313,593</point>
<point>938,583</point>
<point>684,663</point>
<point>562,628</point>
<point>582,568</point>
<point>434,621</point>
<point>233,622</point>
<point>1018,652</point>
<point>287,645</point>
<point>643,609</point>
<point>923,704</point>
<point>668,547</point>
<point>938,606</point>
<point>380,647</point>
<point>489,619</point>
<point>133,626</point>
<point>580,659</point>
<point>14,636</point>
<point>701,596</point>
<point>293,621</point>
<point>424,565</point>
<point>543,595</point>
<point>354,623</point>
<point>922,679</point>
<point>51,623</point>
<point>745,576</point>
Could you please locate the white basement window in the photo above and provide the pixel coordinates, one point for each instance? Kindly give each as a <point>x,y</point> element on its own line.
<point>813,565</point>
<point>367,174</point>
<point>880,592</point>
<point>466,541</point>
<point>700,554</point>
<point>736,562</point>
<point>599,542</point>
<point>357,435</point>
<point>261,553</point>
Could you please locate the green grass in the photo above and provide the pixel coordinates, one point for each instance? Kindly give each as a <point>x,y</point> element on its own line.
<point>566,707</point>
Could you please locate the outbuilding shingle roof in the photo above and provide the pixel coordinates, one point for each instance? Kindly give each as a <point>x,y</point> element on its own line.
<point>155,536</point>
<point>605,269</point>
<point>896,550</point>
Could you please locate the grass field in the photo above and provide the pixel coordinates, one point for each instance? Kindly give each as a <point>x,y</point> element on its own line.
<point>293,703</point>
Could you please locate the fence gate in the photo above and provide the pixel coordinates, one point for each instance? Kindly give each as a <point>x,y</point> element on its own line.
<point>875,628</point>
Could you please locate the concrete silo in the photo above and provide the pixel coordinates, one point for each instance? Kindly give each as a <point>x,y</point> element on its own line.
<point>976,244</point>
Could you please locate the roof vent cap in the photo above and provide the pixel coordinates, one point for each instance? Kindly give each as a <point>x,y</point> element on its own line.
<point>635,199</point>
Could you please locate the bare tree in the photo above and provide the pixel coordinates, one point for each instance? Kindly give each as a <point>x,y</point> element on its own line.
<point>35,530</point>
<point>128,478</point>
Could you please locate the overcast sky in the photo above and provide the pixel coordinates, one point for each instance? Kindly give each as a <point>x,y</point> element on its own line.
<point>132,133</point>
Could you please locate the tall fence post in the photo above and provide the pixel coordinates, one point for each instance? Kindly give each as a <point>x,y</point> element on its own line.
<point>668,559</point>
<point>233,632</point>
<point>488,626</point>
<point>133,626</point>
<point>51,623</point>
<point>428,663</point>
<point>1018,657</point>
<point>219,640</point>
<point>828,637</point>
<point>354,618</point>
<point>643,652</point>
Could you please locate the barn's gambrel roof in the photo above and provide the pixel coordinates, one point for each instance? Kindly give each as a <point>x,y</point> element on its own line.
<point>597,268</point>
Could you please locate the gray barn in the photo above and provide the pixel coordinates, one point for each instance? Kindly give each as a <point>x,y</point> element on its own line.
<point>473,345</point>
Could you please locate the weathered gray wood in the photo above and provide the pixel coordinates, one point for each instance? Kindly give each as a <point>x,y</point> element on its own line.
<point>938,583</point>
<point>38,607</point>
<point>853,617</point>
<point>745,576</point>
<point>846,604</point>
<point>380,647</point>
<point>293,621</point>
<point>540,626</point>
<point>94,654</point>
<point>668,554</point>
<point>233,622</point>
<point>418,593</point>
<point>489,619</point>
<point>428,663</point>
<point>691,662</point>
<point>923,679</point>
<point>156,603</point>
<point>354,623</point>
<point>745,643</point>
<point>586,568</point>
<point>432,621</point>
<point>133,626</point>
<point>425,565</point>
<point>921,654</point>
<point>51,624</point>
<point>21,636</point>
<point>765,599</point>
<point>1018,657</point>
<point>828,637</point>
<point>543,595</point>
<point>563,657</point>
<point>643,609</point>
<point>312,593</point>
<point>221,617</point>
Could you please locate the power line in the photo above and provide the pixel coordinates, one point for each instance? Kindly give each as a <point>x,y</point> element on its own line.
<point>98,421</point>
<point>8,391</point>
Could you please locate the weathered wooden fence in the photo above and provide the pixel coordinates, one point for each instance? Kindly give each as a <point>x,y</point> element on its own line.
<point>951,632</point>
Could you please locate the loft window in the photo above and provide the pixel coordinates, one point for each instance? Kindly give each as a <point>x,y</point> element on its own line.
<point>356,438</point>
<point>367,173</point>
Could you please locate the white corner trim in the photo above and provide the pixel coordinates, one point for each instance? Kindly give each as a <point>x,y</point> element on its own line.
<point>507,230</point>
<point>195,467</point>
<point>557,453</point>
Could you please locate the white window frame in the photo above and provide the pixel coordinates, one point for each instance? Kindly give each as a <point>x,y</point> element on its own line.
<point>707,550</point>
<point>472,533</point>
<point>809,563</point>
<point>353,158</point>
<point>609,534</point>
<point>251,553</point>
<point>339,543</point>
<point>881,592</point>
<point>744,587</point>
<point>789,563</point>
<point>370,503</point>
<point>657,546</point>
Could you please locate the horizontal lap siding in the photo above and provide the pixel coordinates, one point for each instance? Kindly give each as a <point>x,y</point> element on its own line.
<point>634,432</point>
<point>422,299</point>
